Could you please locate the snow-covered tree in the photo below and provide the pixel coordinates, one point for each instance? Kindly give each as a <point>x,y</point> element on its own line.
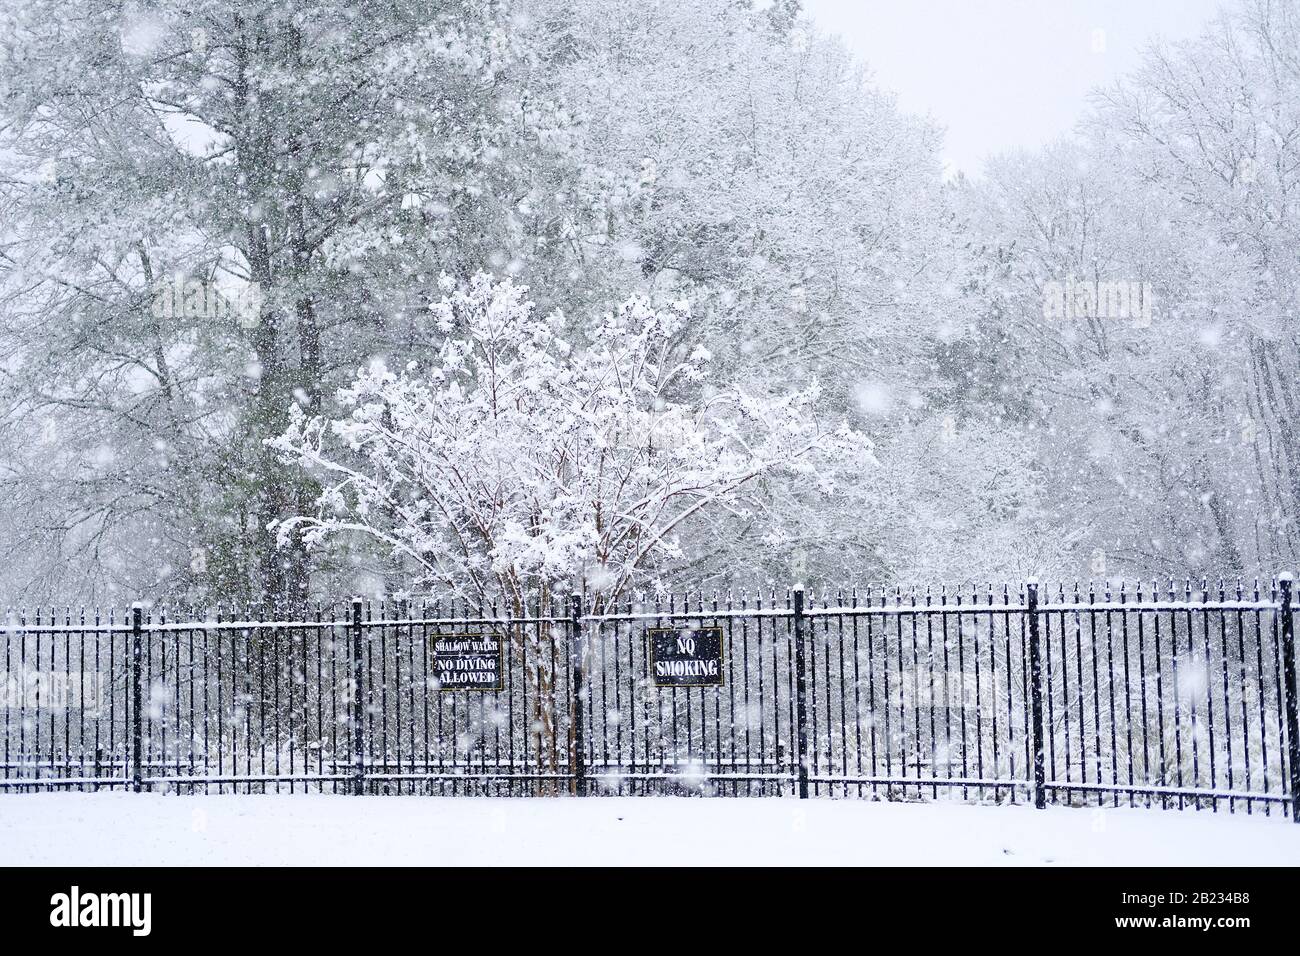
<point>1164,440</point>
<point>1212,126</point>
<point>331,157</point>
<point>524,459</point>
<point>750,164</point>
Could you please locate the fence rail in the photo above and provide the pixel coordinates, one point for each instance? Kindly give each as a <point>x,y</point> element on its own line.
<point>1157,696</point>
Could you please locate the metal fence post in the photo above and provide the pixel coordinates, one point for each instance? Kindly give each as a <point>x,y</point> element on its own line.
<point>358,704</point>
<point>1289,680</point>
<point>1036,695</point>
<point>137,696</point>
<point>579,695</point>
<point>801,696</point>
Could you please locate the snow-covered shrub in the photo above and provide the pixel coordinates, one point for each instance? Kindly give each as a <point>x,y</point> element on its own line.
<point>517,460</point>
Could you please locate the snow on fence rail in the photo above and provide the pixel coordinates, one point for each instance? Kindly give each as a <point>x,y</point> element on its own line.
<point>1163,696</point>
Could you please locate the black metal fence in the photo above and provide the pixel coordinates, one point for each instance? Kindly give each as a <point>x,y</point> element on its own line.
<point>1158,696</point>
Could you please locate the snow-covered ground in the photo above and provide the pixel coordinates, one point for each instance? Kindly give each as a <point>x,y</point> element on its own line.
<point>129,829</point>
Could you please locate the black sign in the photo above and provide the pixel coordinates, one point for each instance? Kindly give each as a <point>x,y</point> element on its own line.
<point>686,656</point>
<point>467,661</point>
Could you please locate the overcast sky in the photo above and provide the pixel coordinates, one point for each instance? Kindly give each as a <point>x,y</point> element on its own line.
<point>1001,74</point>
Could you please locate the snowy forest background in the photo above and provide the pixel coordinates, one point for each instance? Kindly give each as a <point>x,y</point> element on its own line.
<point>239,245</point>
